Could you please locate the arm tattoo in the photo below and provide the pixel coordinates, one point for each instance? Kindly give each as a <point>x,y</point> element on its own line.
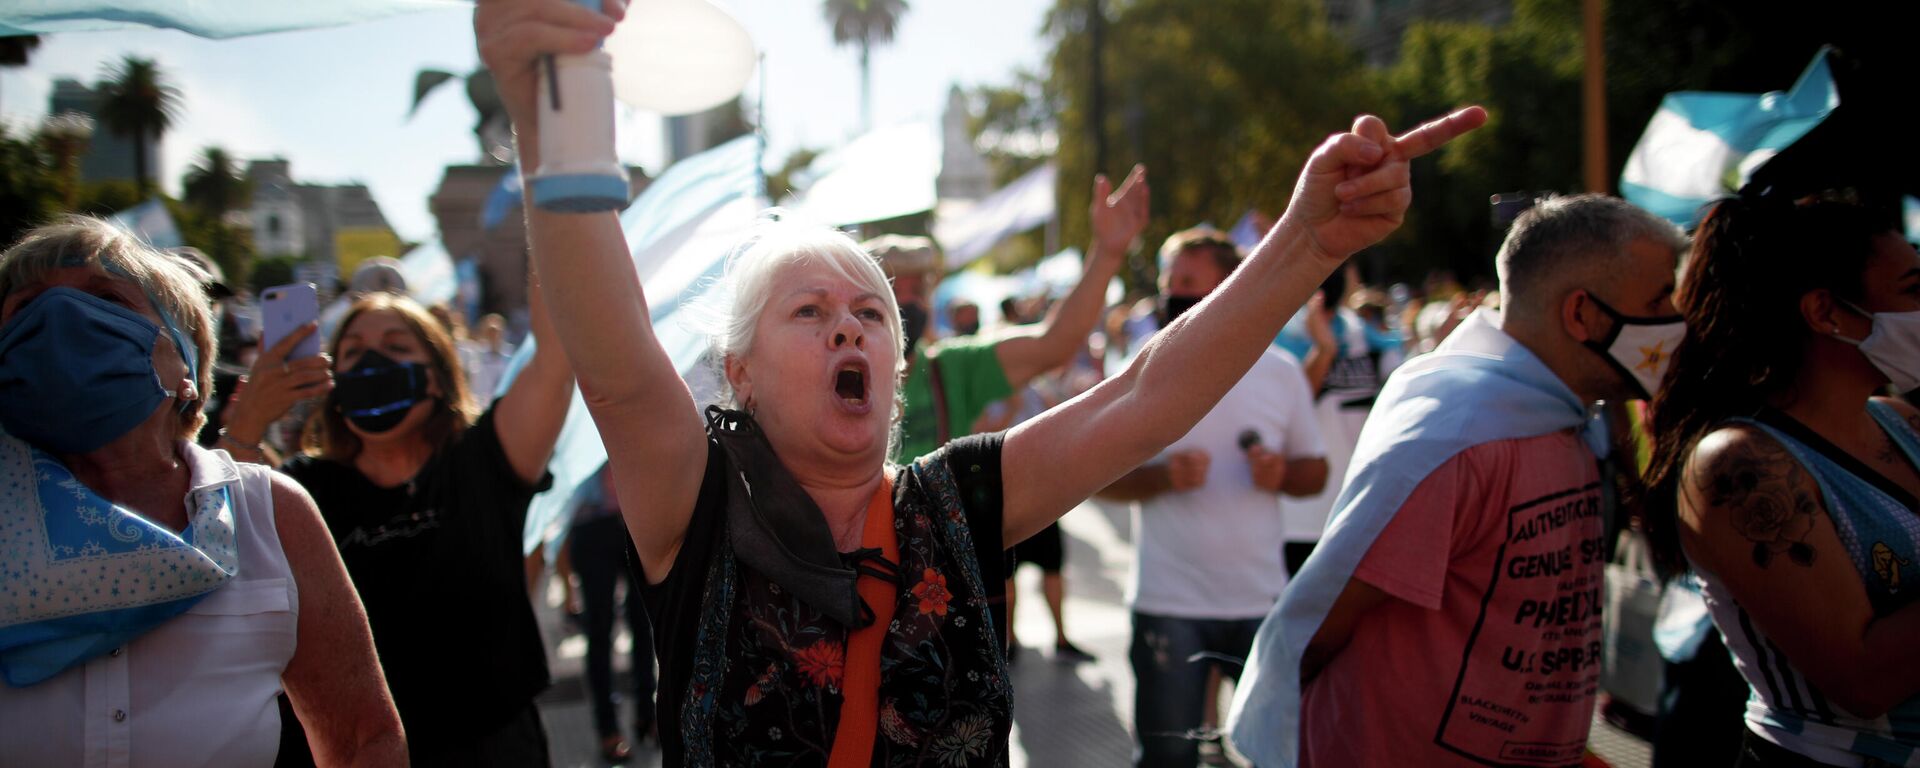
<point>1767,496</point>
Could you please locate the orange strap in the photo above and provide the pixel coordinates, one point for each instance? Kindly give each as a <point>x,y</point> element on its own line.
<point>860,687</point>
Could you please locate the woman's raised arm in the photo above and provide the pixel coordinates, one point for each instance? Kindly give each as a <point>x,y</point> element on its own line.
<point>1353,192</point>
<point>654,438</point>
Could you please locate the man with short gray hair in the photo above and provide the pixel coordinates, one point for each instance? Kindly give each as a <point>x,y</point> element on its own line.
<point>1558,261</point>
<point>1451,615</point>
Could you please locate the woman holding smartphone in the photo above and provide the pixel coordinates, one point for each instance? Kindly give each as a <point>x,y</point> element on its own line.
<point>426,496</point>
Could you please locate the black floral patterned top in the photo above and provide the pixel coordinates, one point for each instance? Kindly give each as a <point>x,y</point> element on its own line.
<point>751,676</point>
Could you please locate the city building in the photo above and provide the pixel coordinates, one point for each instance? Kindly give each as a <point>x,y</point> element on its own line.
<point>498,255</point>
<point>331,227</point>
<point>108,155</point>
<point>964,175</point>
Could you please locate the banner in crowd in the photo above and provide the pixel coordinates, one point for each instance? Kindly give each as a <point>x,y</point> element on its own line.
<point>1024,204</point>
<point>1703,145</point>
<point>205,18</point>
<point>430,274</point>
<point>885,174</point>
<point>152,223</point>
<point>680,231</point>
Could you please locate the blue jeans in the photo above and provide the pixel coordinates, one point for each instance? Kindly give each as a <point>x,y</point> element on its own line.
<point>599,552</point>
<point>1170,691</point>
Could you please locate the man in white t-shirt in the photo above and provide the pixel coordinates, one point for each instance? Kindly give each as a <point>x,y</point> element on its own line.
<point>1346,360</point>
<point>1207,530</point>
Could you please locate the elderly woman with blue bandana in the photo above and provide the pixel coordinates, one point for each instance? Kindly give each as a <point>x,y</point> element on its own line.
<point>155,596</point>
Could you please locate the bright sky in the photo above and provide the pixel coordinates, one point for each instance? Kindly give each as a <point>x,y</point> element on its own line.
<point>334,101</point>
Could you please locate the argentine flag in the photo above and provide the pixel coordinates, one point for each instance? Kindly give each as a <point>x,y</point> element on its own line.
<point>680,230</point>
<point>1701,145</point>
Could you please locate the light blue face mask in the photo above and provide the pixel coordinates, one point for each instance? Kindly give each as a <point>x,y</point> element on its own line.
<point>76,371</point>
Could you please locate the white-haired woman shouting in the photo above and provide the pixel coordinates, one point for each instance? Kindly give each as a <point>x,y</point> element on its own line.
<point>812,603</point>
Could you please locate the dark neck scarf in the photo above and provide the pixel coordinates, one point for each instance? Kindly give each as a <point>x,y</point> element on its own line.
<point>780,602</point>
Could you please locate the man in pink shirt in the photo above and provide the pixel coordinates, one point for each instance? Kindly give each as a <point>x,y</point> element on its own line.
<point>1468,632</point>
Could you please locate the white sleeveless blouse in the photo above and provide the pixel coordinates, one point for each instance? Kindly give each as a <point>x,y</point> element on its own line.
<point>201,689</point>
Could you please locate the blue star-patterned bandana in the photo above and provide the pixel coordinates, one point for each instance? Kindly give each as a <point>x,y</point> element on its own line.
<point>80,576</point>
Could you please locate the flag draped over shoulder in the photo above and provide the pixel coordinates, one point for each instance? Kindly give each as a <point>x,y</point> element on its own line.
<point>1480,386</point>
<point>680,231</point>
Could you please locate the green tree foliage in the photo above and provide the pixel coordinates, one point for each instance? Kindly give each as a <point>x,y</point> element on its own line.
<point>212,191</point>
<point>1223,101</point>
<point>138,102</point>
<point>65,137</point>
<point>106,198</point>
<point>1528,73</point>
<point>30,186</point>
<point>214,185</point>
<point>1013,126</point>
<point>272,271</point>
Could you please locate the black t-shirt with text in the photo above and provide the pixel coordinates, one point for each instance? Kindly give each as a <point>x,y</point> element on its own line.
<point>439,565</point>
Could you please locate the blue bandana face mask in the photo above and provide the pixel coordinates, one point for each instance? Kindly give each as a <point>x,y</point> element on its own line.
<point>76,371</point>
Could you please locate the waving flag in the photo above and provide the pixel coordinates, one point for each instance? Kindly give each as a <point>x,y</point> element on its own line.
<point>885,174</point>
<point>504,199</point>
<point>680,230</point>
<point>1022,205</point>
<point>152,223</point>
<point>1702,145</point>
<point>205,18</point>
<point>430,274</point>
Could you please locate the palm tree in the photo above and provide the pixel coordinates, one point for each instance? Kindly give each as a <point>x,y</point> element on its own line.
<point>865,23</point>
<point>65,136</point>
<point>136,101</point>
<point>215,185</point>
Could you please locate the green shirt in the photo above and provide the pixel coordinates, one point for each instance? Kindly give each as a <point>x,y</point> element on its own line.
<point>971,376</point>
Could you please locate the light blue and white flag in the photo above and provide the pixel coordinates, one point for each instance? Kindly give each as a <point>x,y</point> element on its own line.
<point>1246,233</point>
<point>886,174</point>
<point>1024,204</point>
<point>205,18</point>
<point>1702,145</point>
<point>428,270</point>
<point>152,223</point>
<point>504,199</point>
<point>1480,386</point>
<point>680,230</point>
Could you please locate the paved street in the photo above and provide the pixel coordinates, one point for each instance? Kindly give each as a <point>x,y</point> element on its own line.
<point>1064,714</point>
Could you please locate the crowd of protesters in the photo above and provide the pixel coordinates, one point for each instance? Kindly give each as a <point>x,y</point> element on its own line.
<point>1385,514</point>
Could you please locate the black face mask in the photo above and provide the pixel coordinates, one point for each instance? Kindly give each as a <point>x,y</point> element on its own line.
<point>377,392</point>
<point>1178,305</point>
<point>913,322</point>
